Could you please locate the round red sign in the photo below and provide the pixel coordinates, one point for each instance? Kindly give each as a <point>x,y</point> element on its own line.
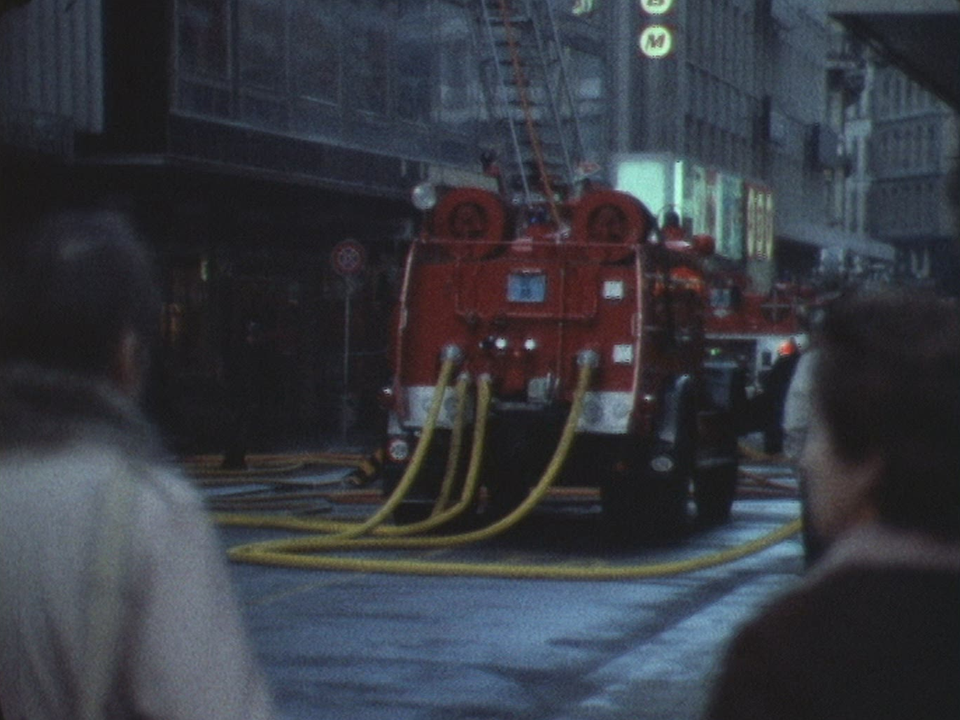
<point>348,257</point>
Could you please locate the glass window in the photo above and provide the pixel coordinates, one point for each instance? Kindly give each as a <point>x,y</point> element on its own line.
<point>693,34</point>
<point>413,64</point>
<point>908,148</point>
<point>315,49</point>
<point>527,287</point>
<point>852,205</point>
<point>367,51</point>
<point>202,32</point>
<point>460,100</point>
<point>261,44</point>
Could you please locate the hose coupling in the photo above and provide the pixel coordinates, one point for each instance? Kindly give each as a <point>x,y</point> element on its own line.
<point>452,353</point>
<point>588,358</point>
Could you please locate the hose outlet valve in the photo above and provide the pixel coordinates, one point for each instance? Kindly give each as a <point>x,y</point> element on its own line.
<point>588,358</point>
<point>452,353</point>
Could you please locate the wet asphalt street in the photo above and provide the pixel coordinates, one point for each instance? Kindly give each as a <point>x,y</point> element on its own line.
<point>382,646</point>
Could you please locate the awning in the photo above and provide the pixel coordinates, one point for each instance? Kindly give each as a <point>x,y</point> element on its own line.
<point>823,236</point>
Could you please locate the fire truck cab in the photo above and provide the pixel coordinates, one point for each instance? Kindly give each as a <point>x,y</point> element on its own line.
<point>523,296</point>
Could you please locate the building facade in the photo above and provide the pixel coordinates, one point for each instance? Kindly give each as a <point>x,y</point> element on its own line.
<point>911,54</point>
<point>250,137</point>
<point>912,149</point>
<point>743,103</point>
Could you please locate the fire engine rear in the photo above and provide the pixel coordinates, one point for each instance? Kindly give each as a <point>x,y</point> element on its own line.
<point>523,299</point>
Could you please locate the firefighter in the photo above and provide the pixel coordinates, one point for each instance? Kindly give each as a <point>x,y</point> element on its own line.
<point>765,410</point>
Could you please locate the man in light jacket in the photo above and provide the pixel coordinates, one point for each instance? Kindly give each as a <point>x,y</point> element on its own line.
<point>115,601</point>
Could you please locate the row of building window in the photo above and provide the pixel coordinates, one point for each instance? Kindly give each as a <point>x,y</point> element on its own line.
<point>906,148</point>
<point>387,60</point>
<point>282,64</point>
<point>723,104</point>
<point>714,146</point>
<point>719,35</point>
<point>906,209</point>
<point>896,94</point>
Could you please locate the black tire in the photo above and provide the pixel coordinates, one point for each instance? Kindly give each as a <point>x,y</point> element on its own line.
<point>419,501</point>
<point>644,505</point>
<point>720,421</point>
<point>713,491</point>
<point>622,518</point>
<point>521,445</point>
<point>408,512</point>
<point>505,496</point>
<point>649,501</point>
<point>642,513</point>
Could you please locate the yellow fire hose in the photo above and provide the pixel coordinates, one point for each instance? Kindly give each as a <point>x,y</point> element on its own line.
<point>440,517</point>
<point>456,446</point>
<point>292,552</point>
<point>520,571</point>
<point>346,530</point>
<point>257,552</point>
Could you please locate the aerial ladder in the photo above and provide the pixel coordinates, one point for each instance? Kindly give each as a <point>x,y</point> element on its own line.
<point>532,106</point>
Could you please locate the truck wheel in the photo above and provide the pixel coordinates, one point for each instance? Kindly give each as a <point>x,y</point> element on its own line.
<point>504,500</point>
<point>644,511</point>
<point>408,512</point>
<point>620,502</point>
<point>713,492</point>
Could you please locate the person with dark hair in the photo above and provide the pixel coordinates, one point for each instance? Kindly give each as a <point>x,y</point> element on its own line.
<point>873,630</point>
<point>115,601</point>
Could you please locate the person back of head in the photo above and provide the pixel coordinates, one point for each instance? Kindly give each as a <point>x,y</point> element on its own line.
<point>888,386</point>
<point>78,295</point>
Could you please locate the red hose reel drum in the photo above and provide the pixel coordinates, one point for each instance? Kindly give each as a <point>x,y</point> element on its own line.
<point>471,220</point>
<point>606,219</point>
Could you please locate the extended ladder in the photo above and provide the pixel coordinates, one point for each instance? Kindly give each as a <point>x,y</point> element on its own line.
<point>533,109</point>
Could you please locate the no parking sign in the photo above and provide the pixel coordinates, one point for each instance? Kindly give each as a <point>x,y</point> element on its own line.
<point>348,257</point>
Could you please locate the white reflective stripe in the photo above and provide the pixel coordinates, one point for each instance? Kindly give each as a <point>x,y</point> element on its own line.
<point>606,413</point>
<point>419,398</point>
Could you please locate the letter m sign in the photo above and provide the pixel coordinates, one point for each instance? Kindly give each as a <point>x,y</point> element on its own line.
<point>656,41</point>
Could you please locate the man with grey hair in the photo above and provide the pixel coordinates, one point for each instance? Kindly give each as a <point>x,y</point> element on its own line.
<point>115,601</point>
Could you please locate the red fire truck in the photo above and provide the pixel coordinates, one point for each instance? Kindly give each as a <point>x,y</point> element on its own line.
<point>524,297</point>
<point>754,328</point>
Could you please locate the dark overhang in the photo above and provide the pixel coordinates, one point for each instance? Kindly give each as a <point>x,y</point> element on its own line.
<point>922,37</point>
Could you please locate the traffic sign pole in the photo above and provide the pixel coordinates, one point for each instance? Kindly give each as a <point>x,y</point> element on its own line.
<point>348,259</point>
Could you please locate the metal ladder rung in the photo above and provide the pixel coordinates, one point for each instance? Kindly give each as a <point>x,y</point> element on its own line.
<point>528,83</point>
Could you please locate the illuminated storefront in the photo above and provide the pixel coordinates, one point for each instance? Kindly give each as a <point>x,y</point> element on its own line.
<point>737,213</point>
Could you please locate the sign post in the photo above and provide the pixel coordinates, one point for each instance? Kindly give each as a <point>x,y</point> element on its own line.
<point>348,259</point>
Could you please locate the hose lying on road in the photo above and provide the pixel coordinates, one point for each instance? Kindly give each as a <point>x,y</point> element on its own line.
<point>303,552</point>
<point>256,552</point>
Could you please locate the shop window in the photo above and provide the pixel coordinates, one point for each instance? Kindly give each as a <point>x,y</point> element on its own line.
<point>457,66</point>
<point>315,53</point>
<point>202,32</point>
<point>367,51</point>
<point>413,63</point>
<point>261,44</point>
